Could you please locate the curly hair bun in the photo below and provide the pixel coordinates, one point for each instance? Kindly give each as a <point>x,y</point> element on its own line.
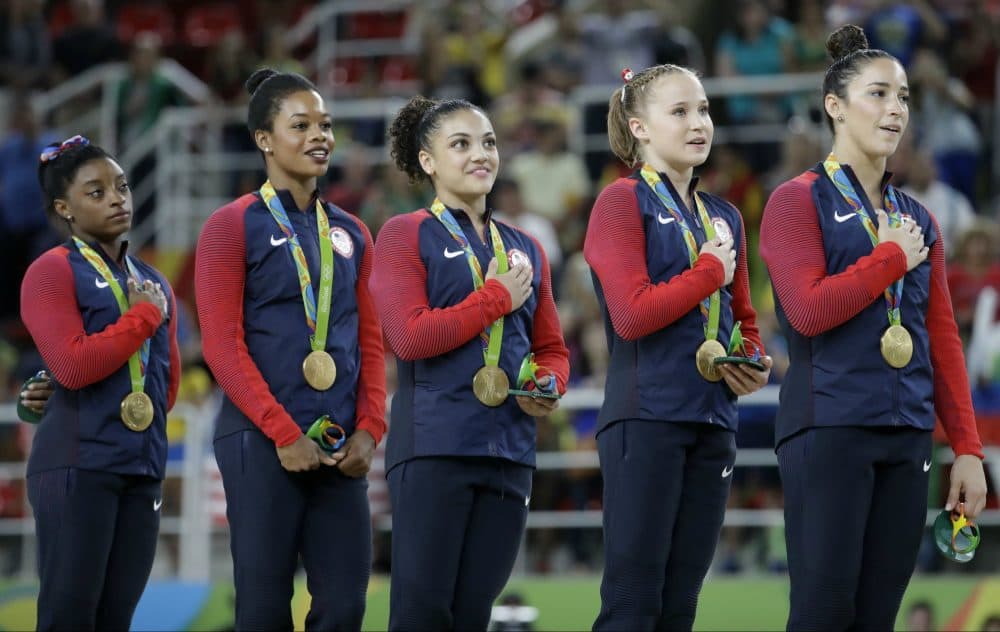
<point>846,40</point>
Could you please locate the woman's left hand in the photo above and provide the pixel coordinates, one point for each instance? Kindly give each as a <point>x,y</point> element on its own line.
<point>968,483</point>
<point>538,406</point>
<point>354,458</point>
<point>743,379</point>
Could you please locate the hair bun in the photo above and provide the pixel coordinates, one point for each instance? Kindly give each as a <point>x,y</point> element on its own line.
<point>846,40</point>
<point>258,77</point>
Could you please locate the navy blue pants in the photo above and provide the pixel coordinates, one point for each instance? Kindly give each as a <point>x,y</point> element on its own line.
<point>855,509</point>
<point>97,536</point>
<point>456,529</point>
<point>274,517</point>
<point>665,492</point>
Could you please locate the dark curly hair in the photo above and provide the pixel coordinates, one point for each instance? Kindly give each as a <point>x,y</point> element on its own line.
<point>848,47</point>
<point>413,127</point>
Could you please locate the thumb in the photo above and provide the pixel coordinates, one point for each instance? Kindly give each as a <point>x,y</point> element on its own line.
<point>954,493</point>
<point>491,270</point>
<point>881,218</point>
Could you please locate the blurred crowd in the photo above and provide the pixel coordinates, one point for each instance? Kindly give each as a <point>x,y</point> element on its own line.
<point>524,61</point>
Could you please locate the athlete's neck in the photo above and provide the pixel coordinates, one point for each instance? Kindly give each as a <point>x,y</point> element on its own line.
<point>111,245</point>
<point>474,206</point>
<point>300,189</point>
<point>868,169</point>
<point>680,177</point>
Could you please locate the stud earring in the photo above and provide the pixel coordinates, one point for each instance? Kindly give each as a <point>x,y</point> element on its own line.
<point>840,118</point>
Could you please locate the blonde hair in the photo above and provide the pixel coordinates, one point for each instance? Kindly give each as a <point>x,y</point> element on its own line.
<point>629,101</point>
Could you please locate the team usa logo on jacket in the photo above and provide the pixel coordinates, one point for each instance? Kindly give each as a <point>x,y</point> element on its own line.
<point>722,230</point>
<point>517,257</point>
<point>342,242</point>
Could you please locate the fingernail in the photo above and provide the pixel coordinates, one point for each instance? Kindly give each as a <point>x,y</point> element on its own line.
<point>947,507</point>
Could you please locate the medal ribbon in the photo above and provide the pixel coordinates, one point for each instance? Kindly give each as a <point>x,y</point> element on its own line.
<point>138,361</point>
<point>710,305</point>
<point>894,293</point>
<point>493,337</point>
<point>317,313</point>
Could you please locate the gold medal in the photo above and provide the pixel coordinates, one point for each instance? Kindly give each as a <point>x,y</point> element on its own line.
<point>490,385</point>
<point>704,358</point>
<point>137,411</point>
<point>897,346</point>
<point>320,370</point>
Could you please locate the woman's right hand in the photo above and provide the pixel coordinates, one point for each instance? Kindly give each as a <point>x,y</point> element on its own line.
<point>303,455</point>
<point>724,252</point>
<point>517,280</point>
<point>908,236</point>
<point>148,292</point>
<point>36,394</point>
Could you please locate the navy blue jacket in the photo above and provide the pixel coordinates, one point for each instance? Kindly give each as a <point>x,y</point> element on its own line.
<point>86,341</point>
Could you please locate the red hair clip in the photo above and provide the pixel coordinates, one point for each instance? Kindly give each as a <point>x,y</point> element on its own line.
<point>627,74</point>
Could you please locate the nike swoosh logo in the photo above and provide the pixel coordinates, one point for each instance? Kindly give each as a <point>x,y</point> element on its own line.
<point>726,471</point>
<point>278,242</point>
<point>100,284</point>
<point>663,220</point>
<point>927,466</point>
<point>451,255</point>
<point>156,504</point>
<point>843,218</point>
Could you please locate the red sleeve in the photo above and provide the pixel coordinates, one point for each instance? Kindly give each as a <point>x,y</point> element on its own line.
<point>615,248</point>
<point>50,312</point>
<point>399,286</point>
<point>743,310</point>
<point>370,415</point>
<point>220,274</point>
<point>791,245</point>
<point>547,341</point>
<point>952,396</point>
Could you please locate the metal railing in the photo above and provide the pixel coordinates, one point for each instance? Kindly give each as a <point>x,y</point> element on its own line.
<point>200,509</point>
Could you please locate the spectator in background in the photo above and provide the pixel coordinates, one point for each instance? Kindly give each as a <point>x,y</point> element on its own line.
<point>355,182</point>
<point>393,196</point>
<point>674,43</point>
<point>615,39</point>
<point>230,63</point>
<point>88,42</point>
<point>899,28</point>
<point>973,267</point>
<point>974,60</point>
<point>553,181</point>
<point>948,130</point>
<point>141,97</point>
<point>759,43</point>
<point>23,222</point>
<point>920,617</point>
<point>25,49</point>
<point>992,623</point>
<point>951,209</point>
<point>564,55</point>
<point>809,48</point>
<point>507,202</point>
<point>532,97</point>
<point>276,51</point>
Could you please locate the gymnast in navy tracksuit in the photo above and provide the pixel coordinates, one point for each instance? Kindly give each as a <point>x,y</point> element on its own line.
<point>459,458</point>
<point>858,403</point>
<point>670,270</point>
<point>99,318</point>
<point>269,265</point>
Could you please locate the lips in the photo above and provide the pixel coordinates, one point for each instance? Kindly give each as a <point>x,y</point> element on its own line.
<point>319,153</point>
<point>895,129</point>
<point>121,215</point>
